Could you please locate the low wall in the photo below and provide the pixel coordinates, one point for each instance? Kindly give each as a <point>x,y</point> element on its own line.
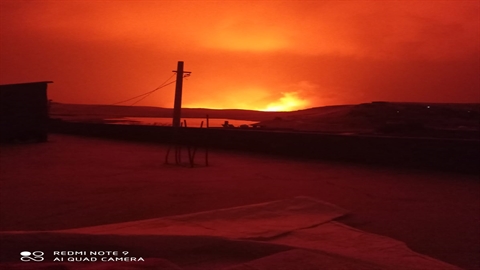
<point>423,153</point>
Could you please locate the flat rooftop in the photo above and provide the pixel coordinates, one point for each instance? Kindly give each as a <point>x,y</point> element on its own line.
<point>73,182</point>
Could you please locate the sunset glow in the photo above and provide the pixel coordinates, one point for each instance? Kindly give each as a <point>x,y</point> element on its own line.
<point>263,55</point>
<point>289,102</point>
<point>246,36</point>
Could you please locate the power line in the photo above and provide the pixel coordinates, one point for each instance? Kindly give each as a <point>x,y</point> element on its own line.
<point>144,95</point>
<point>149,93</point>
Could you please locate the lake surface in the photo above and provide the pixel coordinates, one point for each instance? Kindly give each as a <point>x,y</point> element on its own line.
<point>167,121</point>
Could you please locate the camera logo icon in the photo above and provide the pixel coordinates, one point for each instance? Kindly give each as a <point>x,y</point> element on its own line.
<point>27,256</point>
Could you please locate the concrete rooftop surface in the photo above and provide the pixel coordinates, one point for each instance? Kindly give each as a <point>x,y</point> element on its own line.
<point>73,182</point>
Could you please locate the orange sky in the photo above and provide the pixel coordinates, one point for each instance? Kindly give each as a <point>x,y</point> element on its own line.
<point>268,55</point>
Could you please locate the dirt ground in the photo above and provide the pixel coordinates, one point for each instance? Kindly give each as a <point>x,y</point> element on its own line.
<point>72,182</point>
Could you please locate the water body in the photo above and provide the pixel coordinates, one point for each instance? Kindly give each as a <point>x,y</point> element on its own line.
<point>167,121</point>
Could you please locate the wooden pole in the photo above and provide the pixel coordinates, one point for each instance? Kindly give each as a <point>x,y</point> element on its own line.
<point>177,106</point>
<point>207,143</point>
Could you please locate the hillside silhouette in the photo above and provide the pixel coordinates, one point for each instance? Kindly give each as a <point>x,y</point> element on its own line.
<point>379,118</point>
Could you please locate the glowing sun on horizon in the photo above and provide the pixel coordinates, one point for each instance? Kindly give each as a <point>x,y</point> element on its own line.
<point>289,102</point>
<point>253,98</point>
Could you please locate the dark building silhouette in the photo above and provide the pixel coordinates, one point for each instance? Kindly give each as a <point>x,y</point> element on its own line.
<point>24,111</point>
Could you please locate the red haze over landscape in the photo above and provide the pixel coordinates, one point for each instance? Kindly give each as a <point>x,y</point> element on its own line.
<point>263,55</point>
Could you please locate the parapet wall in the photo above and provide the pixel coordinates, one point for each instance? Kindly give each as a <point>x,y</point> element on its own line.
<point>422,153</point>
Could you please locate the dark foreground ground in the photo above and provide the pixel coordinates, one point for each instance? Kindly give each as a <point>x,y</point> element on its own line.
<point>72,182</point>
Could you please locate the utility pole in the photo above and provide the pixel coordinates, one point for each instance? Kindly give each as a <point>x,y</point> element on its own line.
<point>177,106</point>
<point>176,120</point>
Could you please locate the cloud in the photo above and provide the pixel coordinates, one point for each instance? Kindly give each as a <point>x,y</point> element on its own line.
<point>246,35</point>
<point>245,53</point>
<point>393,29</point>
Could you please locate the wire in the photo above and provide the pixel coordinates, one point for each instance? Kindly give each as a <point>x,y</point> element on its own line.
<point>151,92</point>
<point>144,95</point>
